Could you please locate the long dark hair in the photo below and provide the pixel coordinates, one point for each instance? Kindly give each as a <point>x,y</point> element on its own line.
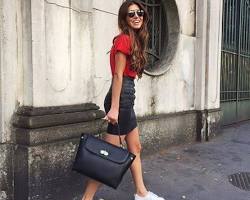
<point>139,38</point>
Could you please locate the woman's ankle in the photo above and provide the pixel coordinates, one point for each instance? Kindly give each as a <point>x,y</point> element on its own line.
<point>85,198</point>
<point>142,193</point>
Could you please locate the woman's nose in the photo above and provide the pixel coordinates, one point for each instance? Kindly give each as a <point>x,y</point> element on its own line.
<point>136,16</point>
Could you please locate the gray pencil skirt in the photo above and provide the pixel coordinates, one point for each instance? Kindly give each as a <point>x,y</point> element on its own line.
<point>126,118</point>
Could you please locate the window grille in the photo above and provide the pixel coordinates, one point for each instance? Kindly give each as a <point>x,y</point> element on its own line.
<point>157,30</point>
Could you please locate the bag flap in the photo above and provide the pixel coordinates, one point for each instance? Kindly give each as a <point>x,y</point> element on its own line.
<point>106,150</point>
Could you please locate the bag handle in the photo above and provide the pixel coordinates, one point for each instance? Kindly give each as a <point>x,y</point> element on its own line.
<point>118,128</point>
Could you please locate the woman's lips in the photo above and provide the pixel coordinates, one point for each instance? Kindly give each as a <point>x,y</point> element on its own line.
<point>137,22</point>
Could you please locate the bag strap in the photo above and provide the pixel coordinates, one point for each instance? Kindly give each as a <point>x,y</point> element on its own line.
<point>120,139</point>
<point>119,134</point>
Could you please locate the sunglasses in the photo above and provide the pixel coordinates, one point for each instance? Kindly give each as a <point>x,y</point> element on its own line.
<point>139,13</point>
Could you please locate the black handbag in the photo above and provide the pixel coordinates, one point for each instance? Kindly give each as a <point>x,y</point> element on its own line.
<point>102,161</point>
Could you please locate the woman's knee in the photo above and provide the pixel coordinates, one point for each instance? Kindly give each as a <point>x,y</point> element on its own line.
<point>135,148</point>
<point>133,141</point>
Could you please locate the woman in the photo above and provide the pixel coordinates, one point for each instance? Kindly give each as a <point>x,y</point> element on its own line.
<point>127,59</point>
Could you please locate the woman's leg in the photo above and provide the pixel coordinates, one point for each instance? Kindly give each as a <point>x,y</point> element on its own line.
<point>90,189</point>
<point>134,146</point>
<point>93,185</point>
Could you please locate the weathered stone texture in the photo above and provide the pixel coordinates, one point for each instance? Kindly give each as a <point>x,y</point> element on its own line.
<point>214,122</point>
<point>208,123</point>
<point>48,172</point>
<point>164,130</point>
<point>6,172</point>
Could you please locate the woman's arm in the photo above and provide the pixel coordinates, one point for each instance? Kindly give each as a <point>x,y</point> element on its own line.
<point>120,63</point>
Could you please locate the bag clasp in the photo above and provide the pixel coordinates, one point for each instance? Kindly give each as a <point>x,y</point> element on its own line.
<point>104,152</point>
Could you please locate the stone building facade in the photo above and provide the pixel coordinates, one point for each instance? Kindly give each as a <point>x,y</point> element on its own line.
<point>54,71</point>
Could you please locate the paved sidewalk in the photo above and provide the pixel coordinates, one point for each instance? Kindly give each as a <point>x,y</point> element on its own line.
<point>194,171</point>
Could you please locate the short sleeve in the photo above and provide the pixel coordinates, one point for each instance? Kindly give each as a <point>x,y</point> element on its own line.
<point>122,43</point>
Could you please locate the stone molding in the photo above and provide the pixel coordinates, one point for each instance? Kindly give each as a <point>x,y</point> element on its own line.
<point>34,126</point>
<point>56,119</point>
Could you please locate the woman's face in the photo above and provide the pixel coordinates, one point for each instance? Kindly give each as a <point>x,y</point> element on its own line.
<point>135,16</point>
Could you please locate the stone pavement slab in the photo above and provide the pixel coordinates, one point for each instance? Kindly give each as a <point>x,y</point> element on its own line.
<point>196,171</point>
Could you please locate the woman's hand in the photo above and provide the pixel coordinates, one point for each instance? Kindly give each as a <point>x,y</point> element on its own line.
<point>112,116</point>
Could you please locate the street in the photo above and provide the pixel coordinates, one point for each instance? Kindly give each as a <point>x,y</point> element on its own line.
<point>196,171</point>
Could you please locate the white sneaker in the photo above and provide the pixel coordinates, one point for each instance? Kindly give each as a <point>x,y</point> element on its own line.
<point>149,196</point>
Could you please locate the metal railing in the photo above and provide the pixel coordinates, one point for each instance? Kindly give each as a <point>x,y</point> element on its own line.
<point>235,58</point>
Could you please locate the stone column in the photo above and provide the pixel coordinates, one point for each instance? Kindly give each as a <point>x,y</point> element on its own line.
<point>200,53</point>
<point>213,67</point>
<point>47,93</point>
<point>61,52</point>
<point>207,67</point>
<point>214,33</point>
<point>10,82</point>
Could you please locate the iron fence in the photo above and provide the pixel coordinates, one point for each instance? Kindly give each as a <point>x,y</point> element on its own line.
<point>235,61</point>
<point>235,57</point>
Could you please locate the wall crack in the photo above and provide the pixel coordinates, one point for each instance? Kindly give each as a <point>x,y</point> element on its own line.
<point>65,7</point>
<point>105,11</point>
